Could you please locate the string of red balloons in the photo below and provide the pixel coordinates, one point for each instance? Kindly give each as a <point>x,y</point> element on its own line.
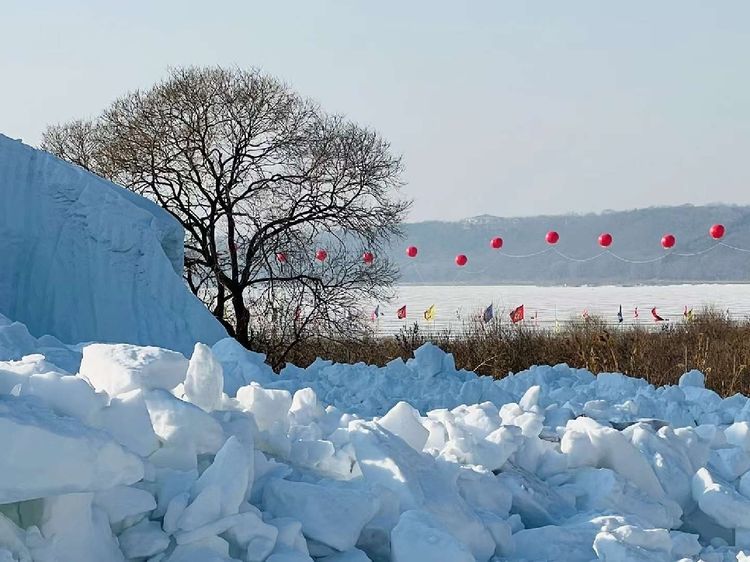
<point>605,240</point>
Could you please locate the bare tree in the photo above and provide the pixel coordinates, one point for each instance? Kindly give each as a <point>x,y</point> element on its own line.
<point>259,178</point>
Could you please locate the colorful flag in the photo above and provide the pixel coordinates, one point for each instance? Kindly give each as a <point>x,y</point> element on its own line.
<point>375,313</point>
<point>488,314</point>
<point>401,313</point>
<point>585,314</point>
<point>635,313</point>
<point>517,314</point>
<point>620,319</point>
<point>657,318</point>
<point>429,314</point>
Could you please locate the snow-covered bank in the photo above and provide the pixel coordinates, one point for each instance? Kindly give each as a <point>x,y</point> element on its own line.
<point>143,454</point>
<point>85,260</point>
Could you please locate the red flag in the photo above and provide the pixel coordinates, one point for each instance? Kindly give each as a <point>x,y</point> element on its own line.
<point>656,316</point>
<point>517,314</point>
<point>401,312</point>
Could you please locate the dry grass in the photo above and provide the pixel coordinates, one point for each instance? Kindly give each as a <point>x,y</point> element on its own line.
<point>710,343</point>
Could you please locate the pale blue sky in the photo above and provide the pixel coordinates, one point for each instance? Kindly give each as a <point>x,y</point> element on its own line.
<point>502,107</point>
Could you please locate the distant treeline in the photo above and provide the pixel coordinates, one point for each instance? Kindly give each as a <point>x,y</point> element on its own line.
<point>637,235</point>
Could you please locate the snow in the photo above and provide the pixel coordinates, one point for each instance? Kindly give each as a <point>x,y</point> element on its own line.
<point>144,453</point>
<point>188,448</point>
<point>119,368</point>
<point>75,246</point>
<point>204,380</point>
<point>418,537</point>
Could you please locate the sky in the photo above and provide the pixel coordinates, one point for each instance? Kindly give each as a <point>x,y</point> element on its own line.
<point>509,108</point>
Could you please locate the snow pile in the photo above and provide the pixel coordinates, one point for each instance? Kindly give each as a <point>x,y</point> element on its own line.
<point>86,260</point>
<point>144,454</point>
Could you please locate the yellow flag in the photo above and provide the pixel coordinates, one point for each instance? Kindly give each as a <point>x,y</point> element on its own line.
<point>429,314</point>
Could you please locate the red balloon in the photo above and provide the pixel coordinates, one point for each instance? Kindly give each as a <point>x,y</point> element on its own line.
<point>368,258</point>
<point>552,237</point>
<point>461,260</point>
<point>321,255</point>
<point>411,251</point>
<point>605,239</point>
<point>281,257</point>
<point>717,231</point>
<point>496,243</point>
<point>668,241</point>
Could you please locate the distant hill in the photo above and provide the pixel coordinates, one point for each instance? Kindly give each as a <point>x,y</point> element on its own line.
<point>637,236</point>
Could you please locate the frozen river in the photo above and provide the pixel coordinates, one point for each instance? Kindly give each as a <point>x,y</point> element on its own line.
<point>454,305</point>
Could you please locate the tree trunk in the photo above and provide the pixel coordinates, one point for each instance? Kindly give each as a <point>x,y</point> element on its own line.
<point>242,320</point>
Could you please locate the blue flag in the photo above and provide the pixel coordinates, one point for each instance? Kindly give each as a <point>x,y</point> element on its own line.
<point>488,314</point>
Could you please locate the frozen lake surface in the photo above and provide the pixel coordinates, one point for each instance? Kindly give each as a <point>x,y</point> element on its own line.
<point>456,305</point>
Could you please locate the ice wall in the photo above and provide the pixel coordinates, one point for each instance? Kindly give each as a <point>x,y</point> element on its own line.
<point>83,259</point>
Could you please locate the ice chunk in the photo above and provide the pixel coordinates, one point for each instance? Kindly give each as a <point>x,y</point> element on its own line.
<point>632,543</point>
<point>419,537</point>
<point>230,474</point>
<point>250,534</point>
<point>354,555</point>
<point>15,339</point>
<point>729,463</point>
<point>332,515</point>
<point>241,366</point>
<point>121,502</point>
<point>143,540</point>
<point>174,511</point>
<point>289,536</point>
<point>571,541</point>
<point>204,381</point>
<point>292,556</point>
<point>719,501</point>
<point>305,408</point>
<point>118,368</point>
<point>182,424</point>
<point>418,483</point>
<point>23,544</point>
<point>535,500</point>
<point>684,545</point>
<point>404,421</point>
<point>428,360</point>
<point>693,378</point>
<point>603,490</point>
<point>211,549</point>
<point>46,455</point>
<point>738,434</point>
<point>588,443</point>
<point>65,395</point>
<point>79,530</point>
<point>127,420</point>
<point>270,410</point>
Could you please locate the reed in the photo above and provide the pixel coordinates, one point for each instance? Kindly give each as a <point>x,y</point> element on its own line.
<point>718,347</point>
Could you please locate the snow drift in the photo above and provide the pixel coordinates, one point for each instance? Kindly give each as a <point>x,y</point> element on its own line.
<point>85,260</point>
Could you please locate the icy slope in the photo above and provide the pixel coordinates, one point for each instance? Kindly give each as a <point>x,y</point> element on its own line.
<point>140,455</point>
<point>83,259</point>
